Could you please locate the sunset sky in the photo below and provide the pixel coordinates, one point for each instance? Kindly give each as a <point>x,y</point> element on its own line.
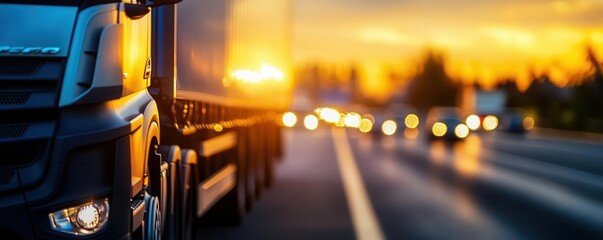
<point>482,40</point>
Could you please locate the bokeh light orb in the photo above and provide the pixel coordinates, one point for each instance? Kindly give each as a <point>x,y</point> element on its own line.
<point>490,122</point>
<point>411,121</point>
<point>461,131</point>
<point>289,119</point>
<point>439,129</point>
<point>389,127</point>
<point>311,122</point>
<point>472,122</point>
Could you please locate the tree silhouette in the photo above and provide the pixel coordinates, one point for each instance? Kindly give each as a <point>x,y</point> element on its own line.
<point>432,86</point>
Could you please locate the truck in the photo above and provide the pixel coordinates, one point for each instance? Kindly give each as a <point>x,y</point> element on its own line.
<point>475,100</point>
<point>138,119</point>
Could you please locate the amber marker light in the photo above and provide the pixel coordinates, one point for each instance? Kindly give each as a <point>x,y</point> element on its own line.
<point>366,125</point>
<point>411,121</point>
<point>528,123</point>
<point>218,127</point>
<point>439,129</point>
<point>490,122</point>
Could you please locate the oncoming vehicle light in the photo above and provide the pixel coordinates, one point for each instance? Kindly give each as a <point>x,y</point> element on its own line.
<point>311,122</point>
<point>289,119</point>
<point>528,123</point>
<point>490,122</point>
<point>439,129</point>
<point>366,125</point>
<point>352,120</point>
<point>389,127</point>
<point>411,121</point>
<point>329,115</point>
<point>473,122</point>
<point>84,219</point>
<point>461,131</point>
<point>341,121</point>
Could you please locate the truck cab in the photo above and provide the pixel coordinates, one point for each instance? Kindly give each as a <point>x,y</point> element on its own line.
<point>131,119</point>
<point>75,117</point>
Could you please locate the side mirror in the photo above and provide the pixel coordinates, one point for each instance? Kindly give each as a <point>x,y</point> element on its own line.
<point>158,3</point>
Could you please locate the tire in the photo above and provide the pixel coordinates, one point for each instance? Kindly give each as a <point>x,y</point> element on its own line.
<point>171,157</point>
<point>152,225</point>
<point>189,182</point>
<point>154,194</point>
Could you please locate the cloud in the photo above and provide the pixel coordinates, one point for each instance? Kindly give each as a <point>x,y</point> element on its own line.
<point>385,36</point>
<point>486,38</point>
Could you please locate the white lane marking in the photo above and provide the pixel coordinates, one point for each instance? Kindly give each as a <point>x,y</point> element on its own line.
<point>366,224</point>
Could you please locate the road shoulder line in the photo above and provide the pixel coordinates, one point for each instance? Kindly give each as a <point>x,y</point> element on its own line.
<point>366,224</point>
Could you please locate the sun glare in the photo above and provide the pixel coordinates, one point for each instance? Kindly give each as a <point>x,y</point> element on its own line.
<point>484,42</point>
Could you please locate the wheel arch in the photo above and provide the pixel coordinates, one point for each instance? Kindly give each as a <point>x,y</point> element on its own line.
<point>151,136</point>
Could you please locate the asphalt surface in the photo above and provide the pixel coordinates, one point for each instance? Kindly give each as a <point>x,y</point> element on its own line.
<point>489,186</point>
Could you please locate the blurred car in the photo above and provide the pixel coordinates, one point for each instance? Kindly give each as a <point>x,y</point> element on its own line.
<point>516,121</point>
<point>404,115</point>
<point>378,117</point>
<point>381,123</point>
<point>295,116</point>
<point>445,123</point>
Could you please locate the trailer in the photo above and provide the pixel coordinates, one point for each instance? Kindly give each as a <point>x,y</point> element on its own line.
<point>138,119</point>
<point>481,102</point>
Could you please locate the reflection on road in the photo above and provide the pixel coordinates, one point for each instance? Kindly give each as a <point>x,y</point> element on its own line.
<point>466,156</point>
<point>508,180</point>
<point>488,186</point>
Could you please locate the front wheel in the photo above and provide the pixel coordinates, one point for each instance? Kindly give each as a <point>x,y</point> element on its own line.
<point>155,195</point>
<point>152,223</point>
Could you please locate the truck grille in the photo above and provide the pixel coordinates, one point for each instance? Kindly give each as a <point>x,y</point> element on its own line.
<point>21,153</point>
<point>29,89</point>
<point>6,175</point>
<point>13,130</point>
<point>14,97</point>
<point>29,83</point>
<point>19,67</point>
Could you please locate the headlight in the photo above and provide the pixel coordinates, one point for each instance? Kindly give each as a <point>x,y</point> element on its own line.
<point>329,115</point>
<point>289,119</point>
<point>352,120</point>
<point>389,127</point>
<point>439,129</point>
<point>473,122</point>
<point>490,122</point>
<point>311,122</point>
<point>411,121</point>
<point>461,131</point>
<point>84,219</point>
<point>365,125</point>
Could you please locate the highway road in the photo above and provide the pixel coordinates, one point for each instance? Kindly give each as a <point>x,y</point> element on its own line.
<point>340,184</point>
